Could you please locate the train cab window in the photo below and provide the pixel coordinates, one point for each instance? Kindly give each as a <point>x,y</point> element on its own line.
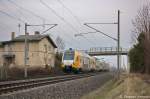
<point>69,56</point>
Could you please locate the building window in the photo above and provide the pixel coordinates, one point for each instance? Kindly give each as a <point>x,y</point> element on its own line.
<point>49,48</point>
<point>45,47</point>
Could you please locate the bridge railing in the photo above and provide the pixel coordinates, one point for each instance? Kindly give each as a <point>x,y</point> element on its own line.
<point>104,49</point>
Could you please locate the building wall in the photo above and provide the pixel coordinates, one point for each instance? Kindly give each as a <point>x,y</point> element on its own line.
<point>41,53</point>
<point>18,50</point>
<point>47,53</point>
<point>34,54</point>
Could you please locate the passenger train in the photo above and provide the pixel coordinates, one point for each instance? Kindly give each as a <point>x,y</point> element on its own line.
<point>77,61</point>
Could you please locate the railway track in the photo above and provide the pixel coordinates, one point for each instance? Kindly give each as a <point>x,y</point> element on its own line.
<point>9,87</point>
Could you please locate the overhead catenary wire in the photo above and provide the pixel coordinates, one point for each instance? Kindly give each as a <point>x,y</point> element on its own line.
<point>100,32</point>
<point>11,16</point>
<point>60,17</point>
<point>69,36</point>
<point>69,43</point>
<point>4,3</point>
<point>34,14</point>
<point>17,5</point>
<point>18,10</point>
<point>21,8</point>
<point>75,17</point>
<point>88,40</point>
<point>3,26</point>
<point>86,23</point>
<point>31,12</point>
<point>19,19</point>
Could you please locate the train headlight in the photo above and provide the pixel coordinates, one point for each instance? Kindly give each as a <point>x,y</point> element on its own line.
<point>73,64</point>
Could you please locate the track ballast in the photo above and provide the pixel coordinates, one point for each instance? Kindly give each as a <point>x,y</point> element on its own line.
<point>9,87</point>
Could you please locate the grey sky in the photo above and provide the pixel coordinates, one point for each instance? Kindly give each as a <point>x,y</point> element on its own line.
<point>84,10</point>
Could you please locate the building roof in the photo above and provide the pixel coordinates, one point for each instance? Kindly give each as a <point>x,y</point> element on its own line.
<point>39,37</point>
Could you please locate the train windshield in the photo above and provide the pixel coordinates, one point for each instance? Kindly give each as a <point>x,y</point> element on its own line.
<point>69,55</point>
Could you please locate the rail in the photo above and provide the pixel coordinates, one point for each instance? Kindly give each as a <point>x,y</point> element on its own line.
<point>8,87</point>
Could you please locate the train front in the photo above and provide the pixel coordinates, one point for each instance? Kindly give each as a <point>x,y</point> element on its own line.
<point>67,60</point>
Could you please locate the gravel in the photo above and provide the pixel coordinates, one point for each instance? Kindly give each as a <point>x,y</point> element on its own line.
<point>72,89</point>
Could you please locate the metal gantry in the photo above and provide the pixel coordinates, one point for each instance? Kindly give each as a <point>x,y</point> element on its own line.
<point>115,39</point>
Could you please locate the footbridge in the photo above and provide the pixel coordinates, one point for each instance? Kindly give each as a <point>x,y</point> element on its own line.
<point>97,51</point>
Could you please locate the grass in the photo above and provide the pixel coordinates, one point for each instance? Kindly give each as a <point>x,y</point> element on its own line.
<point>132,85</point>
<point>100,93</point>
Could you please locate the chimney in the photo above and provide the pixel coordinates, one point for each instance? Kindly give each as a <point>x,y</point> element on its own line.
<point>36,33</point>
<point>12,35</point>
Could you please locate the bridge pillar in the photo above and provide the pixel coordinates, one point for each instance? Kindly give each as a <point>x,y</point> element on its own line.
<point>128,64</point>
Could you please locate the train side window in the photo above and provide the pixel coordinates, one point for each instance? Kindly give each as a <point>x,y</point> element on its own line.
<point>81,60</point>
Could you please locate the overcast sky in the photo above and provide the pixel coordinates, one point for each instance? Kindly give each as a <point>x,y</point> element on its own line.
<point>70,15</point>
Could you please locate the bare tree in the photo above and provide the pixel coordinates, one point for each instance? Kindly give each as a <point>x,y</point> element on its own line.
<point>60,43</point>
<point>142,25</point>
